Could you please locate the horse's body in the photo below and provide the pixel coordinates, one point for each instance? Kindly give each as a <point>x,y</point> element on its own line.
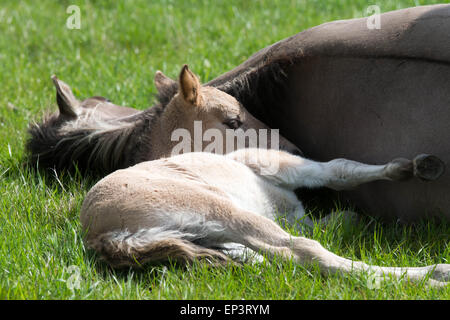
<point>344,90</point>
<point>206,205</point>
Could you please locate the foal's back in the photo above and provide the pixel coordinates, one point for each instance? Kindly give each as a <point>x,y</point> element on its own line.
<point>167,191</point>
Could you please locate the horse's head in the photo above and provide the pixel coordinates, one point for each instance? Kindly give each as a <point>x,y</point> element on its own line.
<point>195,106</point>
<point>56,141</point>
<point>98,134</point>
<point>71,109</point>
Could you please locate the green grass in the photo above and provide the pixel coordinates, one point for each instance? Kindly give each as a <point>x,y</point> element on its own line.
<point>115,54</point>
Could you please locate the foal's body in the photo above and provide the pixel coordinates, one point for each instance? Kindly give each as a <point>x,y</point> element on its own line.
<point>200,204</point>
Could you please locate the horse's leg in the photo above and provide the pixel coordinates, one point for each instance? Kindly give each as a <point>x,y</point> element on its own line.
<point>296,172</point>
<point>342,174</point>
<point>339,174</point>
<point>263,235</point>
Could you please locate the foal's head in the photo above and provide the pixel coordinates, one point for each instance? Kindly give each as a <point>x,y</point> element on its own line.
<point>97,134</point>
<point>195,106</point>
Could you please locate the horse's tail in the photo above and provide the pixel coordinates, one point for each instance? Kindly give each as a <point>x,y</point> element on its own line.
<point>123,249</point>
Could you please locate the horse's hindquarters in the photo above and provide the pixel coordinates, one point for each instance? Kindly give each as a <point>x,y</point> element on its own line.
<point>373,110</point>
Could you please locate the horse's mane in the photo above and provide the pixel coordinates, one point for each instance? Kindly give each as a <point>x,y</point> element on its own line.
<point>259,88</point>
<point>119,143</point>
<point>110,144</point>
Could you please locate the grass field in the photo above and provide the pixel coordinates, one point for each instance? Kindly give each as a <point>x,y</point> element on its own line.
<point>115,54</point>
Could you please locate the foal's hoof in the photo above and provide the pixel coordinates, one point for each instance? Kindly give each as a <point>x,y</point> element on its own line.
<point>428,167</point>
<point>400,169</point>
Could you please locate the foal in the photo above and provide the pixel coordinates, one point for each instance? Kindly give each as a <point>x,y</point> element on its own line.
<point>203,205</point>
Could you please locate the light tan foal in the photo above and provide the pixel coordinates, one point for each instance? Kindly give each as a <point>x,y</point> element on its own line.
<point>205,205</point>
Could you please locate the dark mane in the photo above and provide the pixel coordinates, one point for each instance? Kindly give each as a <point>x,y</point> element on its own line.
<point>111,144</point>
<point>259,88</point>
<point>119,143</point>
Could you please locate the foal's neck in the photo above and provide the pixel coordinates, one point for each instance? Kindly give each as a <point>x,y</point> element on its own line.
<point>164,123</point>
<point>149,139</point>
<point>128,141</point>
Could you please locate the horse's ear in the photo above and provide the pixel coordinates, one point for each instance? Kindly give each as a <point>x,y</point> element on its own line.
<point>67,103</point>
<point>190,86</point>
<point>163,82</point>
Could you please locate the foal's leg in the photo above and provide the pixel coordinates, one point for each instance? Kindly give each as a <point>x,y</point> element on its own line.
<point>265,236</point>
<point>342,174</point>
<point>295,172</point>
<point>339,174</point>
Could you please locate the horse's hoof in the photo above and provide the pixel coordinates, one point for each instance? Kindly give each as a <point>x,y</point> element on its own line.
<point>428,167</point>
<point>400,169</point>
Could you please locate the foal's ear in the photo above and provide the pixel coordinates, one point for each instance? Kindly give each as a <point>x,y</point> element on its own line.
<point>190,86</point>
<point>67,103</point>
<point>163,82</point>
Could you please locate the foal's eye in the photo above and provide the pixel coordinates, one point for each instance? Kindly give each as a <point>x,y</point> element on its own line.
<point>233,123</point>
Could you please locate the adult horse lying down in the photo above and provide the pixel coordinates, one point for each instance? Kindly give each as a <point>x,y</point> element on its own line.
<point>204,205</point>
<point>100,136</point>
<point>343,90</point>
